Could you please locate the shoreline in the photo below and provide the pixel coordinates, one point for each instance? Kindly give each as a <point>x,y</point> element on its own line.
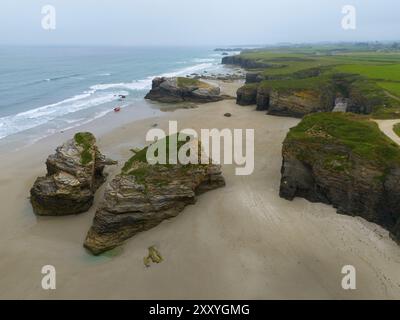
<point>239,242</point>
<point>134,91</point>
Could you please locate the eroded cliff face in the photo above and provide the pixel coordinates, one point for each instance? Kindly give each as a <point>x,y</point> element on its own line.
<point>289,103</point>
<point>74,173</point>
<point>246,95</point>
<point>297,103</point>
<point>247,63</point>
<point>178,89</point>
<point>321,168</point>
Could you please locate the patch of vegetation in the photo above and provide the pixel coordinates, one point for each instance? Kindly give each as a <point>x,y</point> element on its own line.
<point>188,82</point>
<point>140,156</point>
<point>356,132</point>
<point>86,140</point>
<point>396,129</point>
<point>391,87</point>
<point>390,72</point>
<point>154,256</point>
<point>295,84</point>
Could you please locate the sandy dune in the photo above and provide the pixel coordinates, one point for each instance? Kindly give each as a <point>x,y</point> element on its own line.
<point>239,242</point>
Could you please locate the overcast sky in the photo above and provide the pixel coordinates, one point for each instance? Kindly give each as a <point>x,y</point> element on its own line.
<point>190,22</point>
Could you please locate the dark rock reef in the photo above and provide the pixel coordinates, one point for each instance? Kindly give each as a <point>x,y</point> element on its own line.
<point>144,195</point>
<point>179,89</point>
<point>346,161</point>
<point>74,173</point>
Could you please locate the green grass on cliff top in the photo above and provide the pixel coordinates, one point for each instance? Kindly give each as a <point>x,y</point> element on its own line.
<point>396,129</point>
<point>378,72</point>
<point>294,84</point>
<point>141,155</point>
<point>187,82</point>
<point>86,140</point>
<point>388,72</point>
<point>358,133</point>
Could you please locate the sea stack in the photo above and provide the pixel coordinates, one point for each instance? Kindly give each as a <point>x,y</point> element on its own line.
<point>74,173</point>
<point>179,89</point>
<point>143,195</point>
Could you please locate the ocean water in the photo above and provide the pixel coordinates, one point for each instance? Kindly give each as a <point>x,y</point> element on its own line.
<point>44,90</point>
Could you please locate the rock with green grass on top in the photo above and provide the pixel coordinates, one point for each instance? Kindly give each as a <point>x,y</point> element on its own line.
<point>74,173</point>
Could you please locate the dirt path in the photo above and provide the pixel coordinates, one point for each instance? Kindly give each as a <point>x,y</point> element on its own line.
<point>386,127</point>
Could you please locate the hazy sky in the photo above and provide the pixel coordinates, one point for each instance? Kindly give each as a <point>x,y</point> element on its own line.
<point>190,22</point>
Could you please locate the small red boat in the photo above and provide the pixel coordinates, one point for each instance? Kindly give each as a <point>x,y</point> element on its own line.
<point>117,109</point>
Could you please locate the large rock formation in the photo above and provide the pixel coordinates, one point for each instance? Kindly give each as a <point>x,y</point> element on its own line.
<point>144,195</point>
<point>297,103</point>
<point>175,90</point>
<point>344,160</point>
<point>74,173</point>
<point>247,95</point>
<point>286,102</point>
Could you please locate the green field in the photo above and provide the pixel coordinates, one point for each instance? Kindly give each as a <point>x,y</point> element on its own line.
<point>371,73</point>
<point>391,87</point>
<point>388,72</point>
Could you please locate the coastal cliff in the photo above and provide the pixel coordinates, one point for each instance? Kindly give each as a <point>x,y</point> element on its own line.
<point>74,173</point>
<point>295,84</point>
<point>346,161</point>
<point>290,102</point>
<point>245,63</point>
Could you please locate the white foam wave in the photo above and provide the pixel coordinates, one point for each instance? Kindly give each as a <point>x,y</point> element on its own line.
<point>145,84</point>
<point>204,60</point>
<point>32,118</point>
<point>135,85</point>
<point>96,95</point>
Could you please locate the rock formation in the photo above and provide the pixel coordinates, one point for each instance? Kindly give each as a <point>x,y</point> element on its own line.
<point>246,95</point>
<point>248,63</point>
<point>144,195</point>
<point>297,103</point>
<point>74,173</point>
<point>286,102</point>
<point>175,90</point>
<point>346,161</point>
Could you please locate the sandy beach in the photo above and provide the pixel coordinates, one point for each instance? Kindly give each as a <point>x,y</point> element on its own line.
<point>239,242</point>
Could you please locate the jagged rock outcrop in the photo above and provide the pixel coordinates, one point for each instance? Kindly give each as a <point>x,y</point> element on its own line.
<point>344,160</point>
<point>263,99</point>
<point>74,173</point>
<point>178,89</point>
<point>144,195</point>
<point>246,95</point>
<point>286,102</point>
<point>298,103</point>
